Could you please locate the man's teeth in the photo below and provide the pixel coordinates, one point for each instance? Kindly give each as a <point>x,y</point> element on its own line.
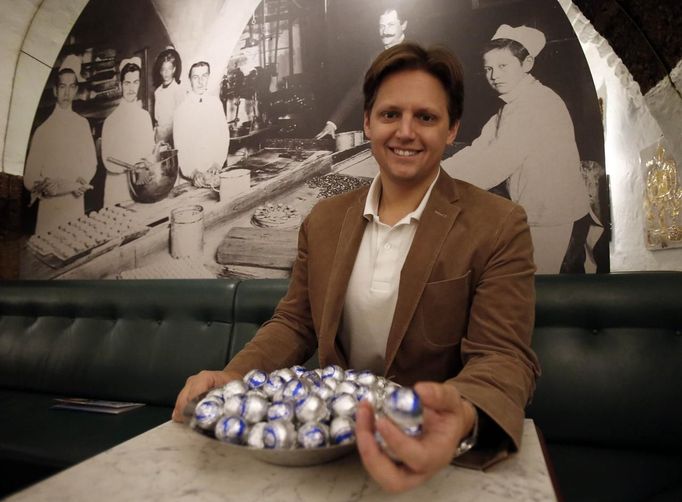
<point>405,153</point>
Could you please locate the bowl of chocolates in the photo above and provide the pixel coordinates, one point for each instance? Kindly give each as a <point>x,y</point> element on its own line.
<point>298,417</point>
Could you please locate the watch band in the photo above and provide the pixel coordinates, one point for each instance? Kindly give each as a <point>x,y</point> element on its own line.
<point>470,441</point>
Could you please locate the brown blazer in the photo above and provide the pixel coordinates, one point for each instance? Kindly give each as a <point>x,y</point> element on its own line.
<point>465,307</point>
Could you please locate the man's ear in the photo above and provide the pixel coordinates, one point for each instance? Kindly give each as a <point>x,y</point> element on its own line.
<point>365,125</point>
<point>452,134</point>
<point>404,25</point>
<point>528,64</point>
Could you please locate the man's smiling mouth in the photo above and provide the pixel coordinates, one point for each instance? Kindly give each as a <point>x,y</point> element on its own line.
<point>404,153</point>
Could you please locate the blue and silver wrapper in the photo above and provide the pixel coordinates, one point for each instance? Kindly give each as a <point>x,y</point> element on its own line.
<point>281,410</point>
<point>255,379</point>
<point>207,412</point>
<point>347,387</point>
<point>311,409</point>
<point>312,379</point>
<point>332,383</point>
<point>231,430</point>
<point>234,388</point>
<point>333,371</point>
<point>325,392</point>
<point>342,430</point>
<point>255,437</point>
<point>216,393</point>
<point>371,395</point>
<point>274,384</point>
<point>313,435</point>
<point>351,375</point>
<point>279,434</point>
<point>285,374</point>
<point>233,405</point>
<point>253,408</point>
<point>299,370</point>
<point>296,389</point>
<point>257,392</point>
<point>344,405</point>
<point>366,378</point>
<point>404,407</point>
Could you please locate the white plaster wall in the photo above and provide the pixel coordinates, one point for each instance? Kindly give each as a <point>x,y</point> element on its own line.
<point>631,134</point>
<point>41,27</point>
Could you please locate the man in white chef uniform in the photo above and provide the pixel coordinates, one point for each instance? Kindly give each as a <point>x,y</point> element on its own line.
<point>127,134</point>
<point>530,143</point>
<point>200,131</point>
<point>61,160</point>
<point>392,31</point>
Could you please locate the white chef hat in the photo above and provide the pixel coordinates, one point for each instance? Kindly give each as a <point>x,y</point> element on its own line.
<point>136,60</point>
<point>533,40</point>
<point>73,63</point>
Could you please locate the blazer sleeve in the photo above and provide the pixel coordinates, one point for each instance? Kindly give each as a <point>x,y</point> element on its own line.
<point>288,338</point>
<point>499,367</point>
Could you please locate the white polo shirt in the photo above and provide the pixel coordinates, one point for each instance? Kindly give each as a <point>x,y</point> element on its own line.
<point>373,286</point>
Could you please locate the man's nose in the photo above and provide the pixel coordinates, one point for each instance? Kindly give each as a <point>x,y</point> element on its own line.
<point>405,128</point>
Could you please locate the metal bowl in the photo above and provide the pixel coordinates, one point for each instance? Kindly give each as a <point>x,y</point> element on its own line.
<point>295,457</point>
<point>153,182</point>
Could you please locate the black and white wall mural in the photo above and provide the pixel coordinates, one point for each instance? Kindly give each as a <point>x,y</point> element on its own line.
<point>189,139</point>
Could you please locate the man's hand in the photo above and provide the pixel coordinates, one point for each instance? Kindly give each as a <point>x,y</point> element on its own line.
<point>447,420</point>
<point>328,130</point>
<point>201,382</point>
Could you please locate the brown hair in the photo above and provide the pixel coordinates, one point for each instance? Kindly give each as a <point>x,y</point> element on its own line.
<point>436,61</point>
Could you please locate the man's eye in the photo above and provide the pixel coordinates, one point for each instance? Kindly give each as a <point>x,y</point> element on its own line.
<point>426,117</point>
<point>390,115</point>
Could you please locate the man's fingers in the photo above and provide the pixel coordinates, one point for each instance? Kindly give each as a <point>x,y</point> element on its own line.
<point>439,397</point>
<point>385,472</point>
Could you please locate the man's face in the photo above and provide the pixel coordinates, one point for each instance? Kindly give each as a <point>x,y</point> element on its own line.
<point>167,72</point>
<point>199,79</point>
<point>391,29</point>
<point>409,127</point>
<point>503,70</point>
<point>66,90</point>
<point>130,85</point>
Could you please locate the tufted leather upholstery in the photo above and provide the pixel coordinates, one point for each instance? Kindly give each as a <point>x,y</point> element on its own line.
<point>125,340</point>
<point>120,340</point>
<point>609,401</point>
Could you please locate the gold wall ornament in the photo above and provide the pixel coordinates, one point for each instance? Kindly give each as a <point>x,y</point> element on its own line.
<point>662,202</point>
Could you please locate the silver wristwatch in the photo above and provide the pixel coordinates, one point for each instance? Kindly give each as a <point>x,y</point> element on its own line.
<point>470,441</point>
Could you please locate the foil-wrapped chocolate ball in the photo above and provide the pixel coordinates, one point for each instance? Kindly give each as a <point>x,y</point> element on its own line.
<point>207,412</point>
<point>232,405</point>
<point>280,434</point>
<point>234,388</point>
<point>281,410</point>
<point>255,379</point>
<point>231,430</point>
<point>342,430</point>
<point>311,408</point>
<point>313,435</point>
<point>253,408</point>
<point>255,436</point>
<point>344,405</point>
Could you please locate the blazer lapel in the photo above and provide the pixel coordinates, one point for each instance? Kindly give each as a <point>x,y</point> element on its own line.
<point>352,230</point>
<point>438,217</point>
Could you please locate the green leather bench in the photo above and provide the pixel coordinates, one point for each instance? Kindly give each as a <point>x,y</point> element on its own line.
<point>608,402</point>
<point>116,340</point>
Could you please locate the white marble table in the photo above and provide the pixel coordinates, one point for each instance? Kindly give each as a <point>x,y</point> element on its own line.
<point>172,462</point>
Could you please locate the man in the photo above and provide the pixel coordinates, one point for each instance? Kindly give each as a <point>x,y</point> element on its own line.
<point>61,160</point>
<point>392,29</point>
<point>531,143</point>
<point>200,131</point>
<point>127,134</point>
<point>418,277</point>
